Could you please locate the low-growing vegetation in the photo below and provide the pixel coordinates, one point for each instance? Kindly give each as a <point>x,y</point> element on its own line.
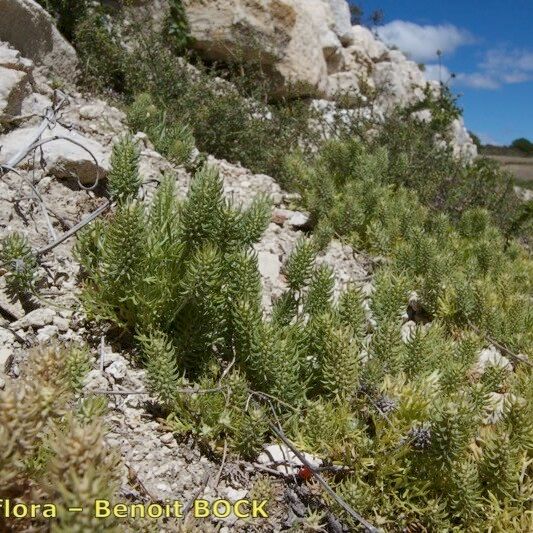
<point>51,447</point>
<point>427,437</point>
<point>409,416</point>
<point>230,111</point>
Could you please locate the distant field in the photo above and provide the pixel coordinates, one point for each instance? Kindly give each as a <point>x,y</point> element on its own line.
<point>521,167</point>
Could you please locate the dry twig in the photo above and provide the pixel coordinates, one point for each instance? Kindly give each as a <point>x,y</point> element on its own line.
<point>340,501</point>
<point>500,346</point>
<point>87,220</point>
<point>222,464</point>
<point>140,392</point>
<point>195,496</point>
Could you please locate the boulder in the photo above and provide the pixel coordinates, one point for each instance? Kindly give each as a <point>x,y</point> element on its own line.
<point>462,144</point>
<point>15,80</point>
<point>346,82</point>
<point>12,59</point>
<point>35,319</point>
<point>342,25</point>
<point>31,30</point>
<point>401,82</point>
<point>367,46</point>
<point>63,159</point>
<point>294,40</point>
<point>13,89</point>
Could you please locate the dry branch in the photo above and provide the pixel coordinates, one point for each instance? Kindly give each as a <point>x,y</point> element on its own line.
<point>49,121</point>
<point>178,391</point>
<point>196,495</point>
<point>500,346</point>
<point>342,503</point>
<point>95,214</point>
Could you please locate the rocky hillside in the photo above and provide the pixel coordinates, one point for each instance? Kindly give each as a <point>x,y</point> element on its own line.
<point>336,354</point>
<point>311,47</point>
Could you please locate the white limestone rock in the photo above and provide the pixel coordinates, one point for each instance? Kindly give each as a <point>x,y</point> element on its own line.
<point>281,458</point>
<point>118,369</point>
<point>31,30</point>
<point>366,47</point>
<point>462,144</point>
<point>37,318</point>
<point>47,333</point>
<point>491,356</point>
<point>35,104</point>
<point>12,59</point>
<point>296,38</point>
<point>7,338</point>
<point>6,352</point>
<point>64,159</point>
<point>342,26</point>
<point>269,265</point>
<point>13,88</point>
<point>95,380</point>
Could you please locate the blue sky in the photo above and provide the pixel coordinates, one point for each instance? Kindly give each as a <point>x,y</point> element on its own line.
<point>488,44</point>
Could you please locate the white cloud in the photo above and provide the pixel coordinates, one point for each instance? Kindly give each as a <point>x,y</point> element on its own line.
<point>501,66</point>
<point>434,72</point>
<point>477,80</point>
<point>501,59</point>
<point>422,42</point>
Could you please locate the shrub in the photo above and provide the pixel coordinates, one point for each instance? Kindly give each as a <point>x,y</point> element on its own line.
<point>49,452</point>
<point>124,180</point>
<point>103,60</point>
<point>68,13</point>
<point>20,265</point>
<point>524,145</point>
<point>190,247</point>
<point>402,415</point>
<point>177,27</point>
<point>173,139</point>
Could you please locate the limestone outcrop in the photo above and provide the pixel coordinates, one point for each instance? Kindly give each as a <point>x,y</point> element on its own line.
<point>294,39</point>
<point>31,30</point>
<point>15,81</point>
<point>307,42</point>
<point>310,47</point>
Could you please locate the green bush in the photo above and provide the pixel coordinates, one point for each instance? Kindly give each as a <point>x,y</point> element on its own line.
<point>177,26</point>
<point>458,262</point>
<point>524,145</point>
<point>407,417</point>
<point>193,104</point>
<point>20,265</point>
<point>51,450</point>
<point>174,139</point>
<point>103,60</point>
<point>67,13</point>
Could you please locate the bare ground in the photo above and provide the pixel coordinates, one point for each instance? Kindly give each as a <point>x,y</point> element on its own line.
<point>520,167</point>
